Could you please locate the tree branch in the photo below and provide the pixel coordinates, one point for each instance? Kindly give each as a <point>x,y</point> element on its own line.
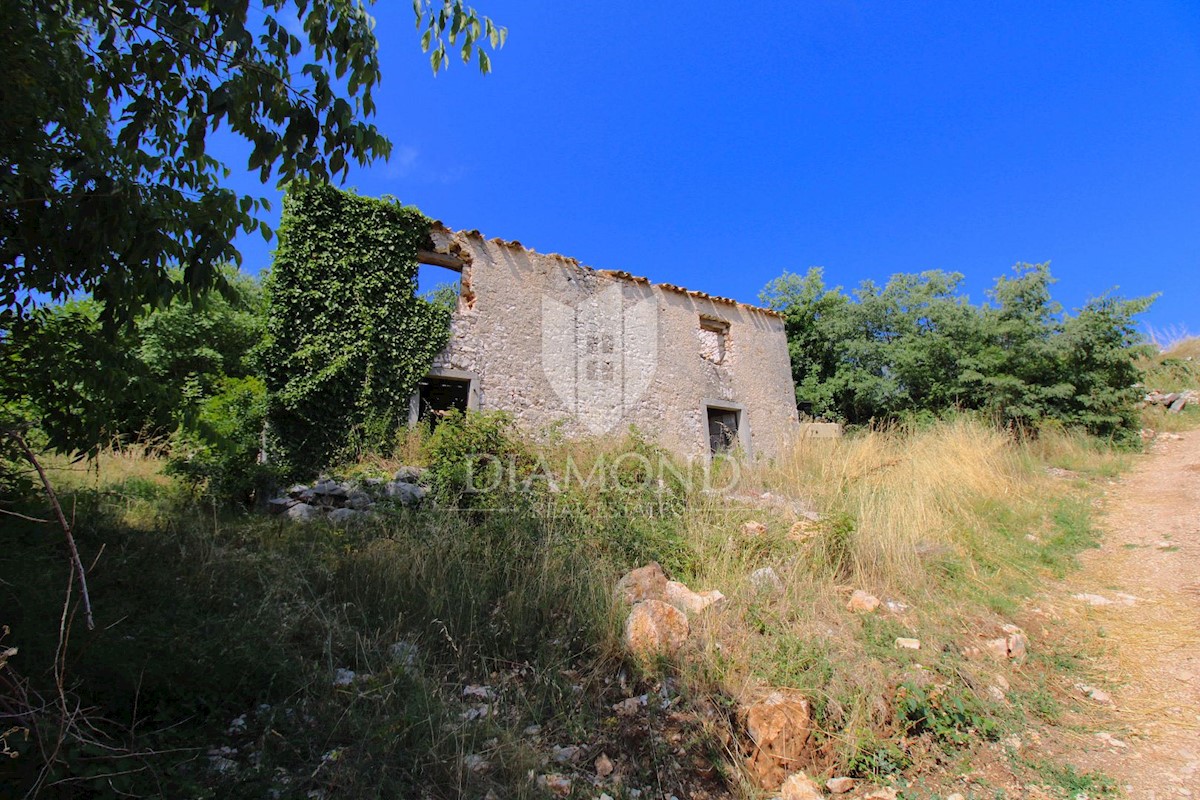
<point>76,563</point>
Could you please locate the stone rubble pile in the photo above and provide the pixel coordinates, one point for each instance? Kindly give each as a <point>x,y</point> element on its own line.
<point>1173,401</point>
<point>343,502</point>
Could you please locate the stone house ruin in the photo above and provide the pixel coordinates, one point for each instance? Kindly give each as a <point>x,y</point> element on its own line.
<point>594,351</point>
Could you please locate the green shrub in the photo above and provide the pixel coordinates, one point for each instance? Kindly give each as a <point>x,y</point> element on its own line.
<point>952,716</point>
<point>219,450</point>
<point>477,461</point>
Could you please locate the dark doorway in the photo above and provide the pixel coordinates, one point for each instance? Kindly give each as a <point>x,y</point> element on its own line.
<point>439,395</point>
<point>722,429</point>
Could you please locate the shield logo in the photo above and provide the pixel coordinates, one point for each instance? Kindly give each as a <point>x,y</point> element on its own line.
<point>600,356</point>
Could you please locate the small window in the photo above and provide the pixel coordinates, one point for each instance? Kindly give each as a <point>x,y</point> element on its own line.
<point>439,395</point>
<point>723,425</point>
<point>439,285</point>
<point>714,335</point>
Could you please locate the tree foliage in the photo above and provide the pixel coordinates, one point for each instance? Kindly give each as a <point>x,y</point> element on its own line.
<point>347,337</point>
<point>106,182</point>
<point>916,345</point>
<point>87,387</point>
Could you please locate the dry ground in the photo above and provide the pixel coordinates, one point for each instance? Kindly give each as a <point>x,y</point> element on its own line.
<point>1149,660</point>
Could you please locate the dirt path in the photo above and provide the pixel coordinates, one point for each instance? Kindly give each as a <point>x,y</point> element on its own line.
<point>1141,592</point>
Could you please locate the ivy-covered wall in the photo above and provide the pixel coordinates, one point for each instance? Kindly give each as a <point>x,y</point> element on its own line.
<point>347,337</point>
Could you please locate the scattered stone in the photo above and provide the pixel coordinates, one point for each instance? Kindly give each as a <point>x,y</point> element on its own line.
<point>478,711</point>
<point>1175,402</point>
<point>404,654</point>
<point>644,583</point>
<point>799,786</point>
<point>1111,740</point>
<point>1018,647</point>
<point>885,793</point>
<point>996,694</point>
<point>903,643</point>
<point>996,648</point>
<point>564,754</point>
<point>303,512</point>
<point>1092,693</point>
<point>475,762</point>
<point>955,796</point>
<point>780,727</point>
<point>895,606</point>
<point>342,516</point>
<point>655,627</point>
<point>408,474</point>
<point>753,529</point>
<point>862,602</point>
<point>839,785</point>
<point>683,598</point>
<point>344,677</point>
<point>1093,599</point>
<point>1164,545</point>
<point>555,783</point>
<point>280,505</point>
<point>630,706</point>
<point>219,760</point>
<point>477,691</point>
<point>604,766</point>
<point>358,500</point>
<point>532,730</point>
<point>407,494</point>
<point>766,579</point>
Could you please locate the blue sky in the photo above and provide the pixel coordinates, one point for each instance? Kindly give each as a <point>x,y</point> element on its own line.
<point>717,145</point>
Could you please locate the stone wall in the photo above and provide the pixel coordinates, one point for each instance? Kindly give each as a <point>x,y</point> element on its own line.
<point>595,351</point>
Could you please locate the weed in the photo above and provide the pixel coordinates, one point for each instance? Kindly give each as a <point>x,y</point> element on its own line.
<point>951,716</point>
<point>1076,784</point>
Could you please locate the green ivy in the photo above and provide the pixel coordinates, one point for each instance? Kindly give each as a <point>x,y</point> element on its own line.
<point>347,337</point>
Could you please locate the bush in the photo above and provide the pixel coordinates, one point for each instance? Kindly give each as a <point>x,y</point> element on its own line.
<point>219,450</point>
<point>476,461</point>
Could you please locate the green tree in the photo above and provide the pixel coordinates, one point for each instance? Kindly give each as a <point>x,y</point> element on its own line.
<point>106,183</point>
<point>86,386</point>
<point>916,346</point>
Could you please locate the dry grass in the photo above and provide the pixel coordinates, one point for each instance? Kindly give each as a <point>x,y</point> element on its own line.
<point>935,517</point>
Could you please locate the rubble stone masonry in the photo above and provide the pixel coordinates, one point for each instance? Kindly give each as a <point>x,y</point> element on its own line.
<point>594,351</point>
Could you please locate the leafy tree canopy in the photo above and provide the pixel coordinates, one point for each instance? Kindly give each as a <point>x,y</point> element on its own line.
<point>916,346</point>
<point>87,387</point>
<point>105,112</point>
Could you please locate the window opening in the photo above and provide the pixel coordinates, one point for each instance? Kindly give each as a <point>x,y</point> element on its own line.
<point>439,285</point>
<point>713,335</point>
<point>439,395</point>
<point>723,425</point>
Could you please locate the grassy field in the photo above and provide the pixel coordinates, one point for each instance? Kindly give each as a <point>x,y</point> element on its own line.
<point>450,653</point>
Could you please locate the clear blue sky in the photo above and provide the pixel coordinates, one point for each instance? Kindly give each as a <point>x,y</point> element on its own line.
<point>715,145</point>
